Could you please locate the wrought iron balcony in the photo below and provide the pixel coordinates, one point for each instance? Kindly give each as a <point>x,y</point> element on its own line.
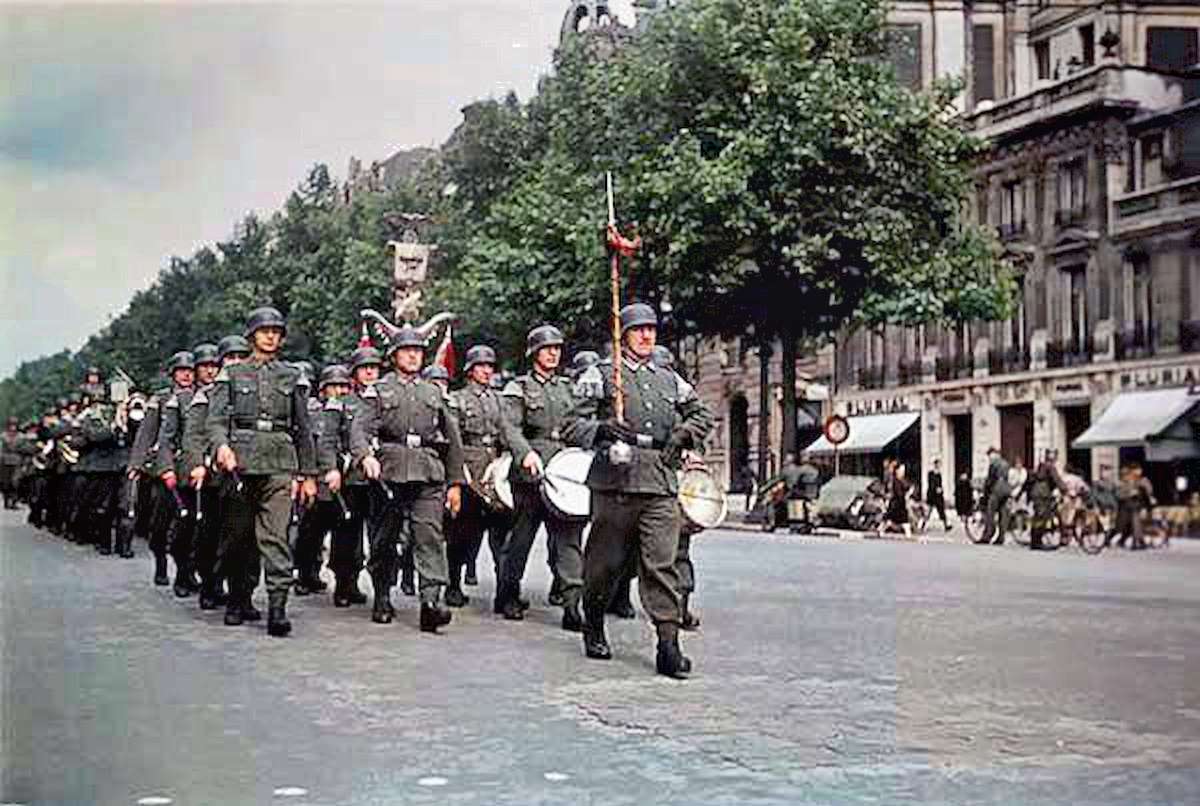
<point>1069,352</point>
<point>959,366</point>
<point>1136,342</point>
<point>1013,359</point>
<point>871,377</point>
<point>1189,336</point>
<point>910,372</point>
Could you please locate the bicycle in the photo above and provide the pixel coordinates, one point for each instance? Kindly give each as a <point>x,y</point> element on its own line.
<point>1075,521</point>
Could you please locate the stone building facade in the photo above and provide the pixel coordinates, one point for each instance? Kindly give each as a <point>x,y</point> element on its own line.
<point>1092,183</point>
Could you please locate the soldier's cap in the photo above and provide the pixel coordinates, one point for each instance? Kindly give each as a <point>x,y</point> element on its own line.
<point>266,316</point>
<point>407,336</point>
<point>584,359</point>
<point>662,357</point>
<point>435,372</point>
<point>542,336</point>
<point>92,370</point>
<point>637,314</point>
<point>181,360</point>
<point>479,354</point>
<point>206,353</point>
<point>365,357</point>
<point>233,344</point>
<point>334,374</point>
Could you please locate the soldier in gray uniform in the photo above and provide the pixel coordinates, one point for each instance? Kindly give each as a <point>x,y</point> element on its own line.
<point>634,485</point>
<point>10,462</point>
<point>258,424</point>
<point>486,432</point>
<point>192,461</point>
<point>407,443</point>
<point>175,469</point>
<point>538,403</point>
<point>143,460</point>
<point>326,513</point>
<point>105,453</point>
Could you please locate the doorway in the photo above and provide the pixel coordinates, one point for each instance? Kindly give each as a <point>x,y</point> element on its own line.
<point>1076,420</point>
<point>739,444</point>
<point>1016,434</point>
<point>962,446</point>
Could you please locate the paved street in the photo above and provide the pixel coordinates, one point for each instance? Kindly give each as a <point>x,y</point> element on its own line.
<point>828,671</point>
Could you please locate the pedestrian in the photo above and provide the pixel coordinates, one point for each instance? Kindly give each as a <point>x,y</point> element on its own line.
<point>405,438</point>
<point>896,514</point>
<point>539,402</point>
<point>486,432</point>
<point>1044,483</point>
<point>1105,495</point>
<point>635,507</point>
<point>935,495</point>
<point>259,427</point>
<point>1135,499</point>
<point>996,492</point>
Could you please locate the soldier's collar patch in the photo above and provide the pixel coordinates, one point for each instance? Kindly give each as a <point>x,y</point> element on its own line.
<point>333,404</point>
<point>370,392</point>
<point>199,397</point>
<point>173,402</point>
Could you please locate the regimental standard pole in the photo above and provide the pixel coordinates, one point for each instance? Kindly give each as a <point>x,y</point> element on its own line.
<point>615,282</point>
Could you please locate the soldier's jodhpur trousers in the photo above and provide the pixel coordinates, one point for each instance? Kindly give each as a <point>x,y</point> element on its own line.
<point>646,525</point>
<point>420,504</point>
<point>256,521</point>
<point>564,538</point>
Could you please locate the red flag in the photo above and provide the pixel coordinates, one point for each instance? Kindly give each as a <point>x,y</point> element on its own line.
<point>364,340</point>
<point>445,353</point>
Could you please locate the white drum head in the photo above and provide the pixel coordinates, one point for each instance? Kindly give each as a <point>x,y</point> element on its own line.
<point>564,485</point>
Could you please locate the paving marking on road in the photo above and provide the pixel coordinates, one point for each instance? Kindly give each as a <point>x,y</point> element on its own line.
<point>556,776</point>
<point>290,792</point>
<point>433,780</point>
<point>154,800</point>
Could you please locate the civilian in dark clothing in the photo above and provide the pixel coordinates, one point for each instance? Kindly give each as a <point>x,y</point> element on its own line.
<point>935,496</point>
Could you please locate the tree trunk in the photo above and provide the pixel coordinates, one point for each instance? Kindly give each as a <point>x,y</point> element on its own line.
<point>764,409</point>
<point>788,378</point>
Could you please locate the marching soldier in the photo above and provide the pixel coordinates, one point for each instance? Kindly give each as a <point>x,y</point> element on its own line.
<point>258,424</point>
<point>70,440</point>
<point>538,403</point>
<point>104,444</point>
<point>175,471</point>
<point>128,420</point>
<point>346,544</point>
<point>634,484</point>
<point>407,443</point>
<point>326,514</point>
<point>143,459</point>
<point>205,487</point>
<point>10,462</point>
<point>486,431</point>
<point>42,463</point>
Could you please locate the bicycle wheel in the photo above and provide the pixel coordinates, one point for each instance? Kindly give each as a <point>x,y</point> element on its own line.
<point>1090,534</point>
<point>973,526</point>
<point>1156,533</point>
<point>1018,528</point>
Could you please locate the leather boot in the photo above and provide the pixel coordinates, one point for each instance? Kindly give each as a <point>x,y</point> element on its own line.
<point>595,643</point>
<point>104,540</point>
<point>555,597</point>
<point>408,585</point>
<point>249,611</point>
<point>471,579</point>
<point>208,599</point>
<point>233,608</point>
<point>456,598</point>
<point>277,620</point>
<point>382,612</point>
<point>357,597</point>
<point>160,570</point>
<point>671,661</point>
<point>434,615</point>
<point>341,593</point>
<point>572,620</point>
<point>124,542</point>
<point>183,581</point>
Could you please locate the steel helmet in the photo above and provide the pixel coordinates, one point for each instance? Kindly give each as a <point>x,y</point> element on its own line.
<point>365,357</point>
<point>334,374</point>
<point>479,354</point>
<point>231,345</point>
<point>206,354</point>
<point>181,360</point>
<point>542,336</point>
<point>265,316</point>
<point>637,314</point>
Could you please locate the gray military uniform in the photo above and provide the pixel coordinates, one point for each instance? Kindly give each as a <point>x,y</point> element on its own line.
<point>635,505</point>
<point>407,425</point>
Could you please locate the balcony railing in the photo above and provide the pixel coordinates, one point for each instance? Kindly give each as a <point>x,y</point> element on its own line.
<point>1189,336</point>
<point>1013,359</point>
<point>1011,232</point>
<point>1145,208</point>
<point>1136,342</point>
<point>871,377</point>
<point>910,373</point>
<point>948,369</point>
<point>1067,217</point>
<point>1069,352</point>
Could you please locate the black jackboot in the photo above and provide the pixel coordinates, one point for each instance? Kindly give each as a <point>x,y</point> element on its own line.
<point>233,607</point>
<point>382,612</point>
<point>277,620</point>
<point>689,620</point>
<point>160,570</point>
<point>670,660</point>
<point>434,615</point>
<point>572,620</point>
<point>595,643</point>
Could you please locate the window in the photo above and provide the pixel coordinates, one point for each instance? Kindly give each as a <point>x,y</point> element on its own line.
<point>1012,209</point>
<point>1131,167</point>
<point>1152,160</point>
<point>1072,191</point>
<point>1172,48</point>
<point>1087,43</point>
<point>1041,54</point>
<point>1077,323</point>
<point>984,63</point>
<point>904,53</point>
<point>981,204</point>
<point>1142,301</point>
<point>1016,334</point>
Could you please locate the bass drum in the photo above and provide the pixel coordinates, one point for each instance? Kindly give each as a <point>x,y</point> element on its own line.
<point>701,498</point>
<point>564,484</point>
<point>494,487</point>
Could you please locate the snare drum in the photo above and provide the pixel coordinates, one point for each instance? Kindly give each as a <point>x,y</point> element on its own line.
<point>564,484</point>
<point>701,498</point>
<point>494,488</point>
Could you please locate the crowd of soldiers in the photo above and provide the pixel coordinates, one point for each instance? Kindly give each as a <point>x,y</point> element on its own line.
<point>239,471</point>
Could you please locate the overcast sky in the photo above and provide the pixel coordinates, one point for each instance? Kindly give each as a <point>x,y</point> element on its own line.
<point>132,133</point>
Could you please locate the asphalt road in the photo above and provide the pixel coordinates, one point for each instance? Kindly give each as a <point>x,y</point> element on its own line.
<point>828,671</point>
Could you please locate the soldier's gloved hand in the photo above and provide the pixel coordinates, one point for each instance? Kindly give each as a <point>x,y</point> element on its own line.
<point>226,459</point>
<point>306,491</point>
<point>612,430</point>
<point>371,468</point>
<point>333,479</point>
<point>679,441</point>
<point>533,464</point>
<point>169,479</point>
<point>198,475</point>
<point>454,500</point>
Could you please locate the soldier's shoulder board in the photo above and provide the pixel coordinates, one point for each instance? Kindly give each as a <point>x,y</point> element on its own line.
<point>333,405</point>
<point>370,393</point>
<point>200,398</point>
<point>515,387</point>
<point>172,402</point>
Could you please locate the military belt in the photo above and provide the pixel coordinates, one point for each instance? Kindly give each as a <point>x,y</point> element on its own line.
<point>264,425</point>
<point>410,441</point>
<point>482,441</point>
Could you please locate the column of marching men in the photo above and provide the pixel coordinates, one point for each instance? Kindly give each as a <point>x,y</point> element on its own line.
<point>239,471</point>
